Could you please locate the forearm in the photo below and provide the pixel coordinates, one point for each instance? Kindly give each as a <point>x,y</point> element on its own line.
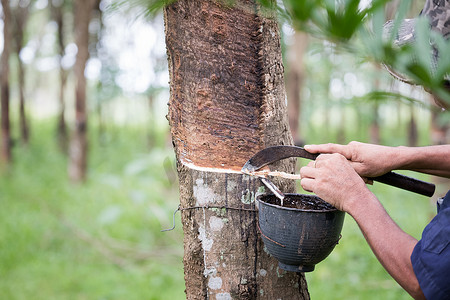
<point>434,160</point>
<point>374,160</point>
<point>391,245</point>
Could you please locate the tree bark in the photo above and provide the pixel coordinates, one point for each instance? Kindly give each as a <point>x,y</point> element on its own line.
<point>227,101</point>
<point>4,82</point>
<point>78,144</point>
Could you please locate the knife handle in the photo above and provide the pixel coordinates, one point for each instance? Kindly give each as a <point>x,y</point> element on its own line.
<point>407,183</point>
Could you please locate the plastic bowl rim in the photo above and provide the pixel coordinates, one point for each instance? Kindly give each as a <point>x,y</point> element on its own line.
<point>295,209</point>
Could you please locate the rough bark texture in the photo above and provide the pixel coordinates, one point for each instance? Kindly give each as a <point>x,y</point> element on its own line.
<point>4,84</point>
<point>78,145</point>
<point>227,102</point>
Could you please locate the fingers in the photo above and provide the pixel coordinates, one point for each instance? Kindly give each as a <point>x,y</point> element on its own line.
<point>309,171</point>
<point>308,184</point>
<point>308,175</point>
<point>329,148</point>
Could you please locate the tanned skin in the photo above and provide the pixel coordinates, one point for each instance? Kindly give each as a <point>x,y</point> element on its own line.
<point>337,176</point>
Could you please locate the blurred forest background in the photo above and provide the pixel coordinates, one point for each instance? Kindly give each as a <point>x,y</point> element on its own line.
<point>88,176</point>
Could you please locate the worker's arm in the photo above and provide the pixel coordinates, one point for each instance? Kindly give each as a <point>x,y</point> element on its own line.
<point>374,160</point>
<point>390,244</point>
<point>333,179</point>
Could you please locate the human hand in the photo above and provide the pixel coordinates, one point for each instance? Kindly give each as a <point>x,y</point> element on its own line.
<point>367,159</point>
<point>332,178</point>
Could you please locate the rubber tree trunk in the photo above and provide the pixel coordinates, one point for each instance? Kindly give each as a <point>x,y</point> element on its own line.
<point>57,11</point>
<point>294,83</point>
<point>374,127</point>
<point>20,16</point>
<point>5,153</point>
<point>440,131</point>
<point>78,143</point>
<point>227,101</point>
<point>413,134</point>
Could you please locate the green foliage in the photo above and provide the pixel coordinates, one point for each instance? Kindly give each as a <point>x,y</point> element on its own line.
<point>146,8</point>
<point>416,61</point>
<point>359,31</point>
<point>333,20</point>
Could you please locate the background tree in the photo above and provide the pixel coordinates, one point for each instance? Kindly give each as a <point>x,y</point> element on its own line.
<point>20,15</point>
<point>79,144</point>
<point>226,102</point>
<point>4,84</point>
<point>295,78</point>
<point>58,14</point>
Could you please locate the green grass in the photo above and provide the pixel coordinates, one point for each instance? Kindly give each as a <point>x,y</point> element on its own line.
<point>102,239</point>
<point>98,240</point>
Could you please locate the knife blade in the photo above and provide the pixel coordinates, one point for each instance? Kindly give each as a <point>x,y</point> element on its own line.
<point>273,154</point>
<point>276,153</point>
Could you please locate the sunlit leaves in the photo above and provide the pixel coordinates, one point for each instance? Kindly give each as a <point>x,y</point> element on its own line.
<point>344,19</point>
<point>147,8</point>
<point>336,20</point>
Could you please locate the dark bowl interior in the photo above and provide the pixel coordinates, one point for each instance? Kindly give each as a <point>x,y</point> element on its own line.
<point>302,232</point>
<point>299,201</point>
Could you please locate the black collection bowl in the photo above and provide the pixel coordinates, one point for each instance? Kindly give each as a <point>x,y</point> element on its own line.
<point>302,232</point>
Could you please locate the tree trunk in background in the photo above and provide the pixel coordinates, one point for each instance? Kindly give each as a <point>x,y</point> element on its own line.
<point>440,131</point>
<point>341,137</point>
<point>78,143</point>
<point>57,11</point>
<point>151,133</point>
<point>227,101</point>
<point>20,15</point>
<point>294,83</point>
<point>413,134</point>
<point>4,85</point>
<point>374,127</point>
<point>95,45</point>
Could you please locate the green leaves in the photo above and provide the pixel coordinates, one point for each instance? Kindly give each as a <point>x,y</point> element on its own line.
<point>147,8</point>
<point>423,62</point>
<point>359,30</point>
<point>344,19</point>
<point>333,20</point>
